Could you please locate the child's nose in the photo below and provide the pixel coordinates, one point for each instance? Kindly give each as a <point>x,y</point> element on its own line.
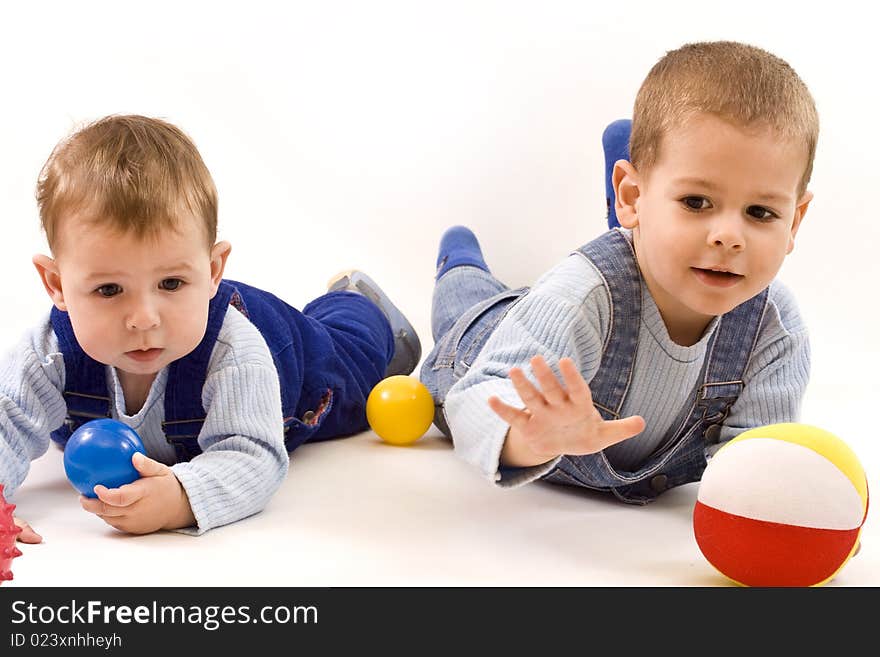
<point>725,230</point>
<point>142,316</point>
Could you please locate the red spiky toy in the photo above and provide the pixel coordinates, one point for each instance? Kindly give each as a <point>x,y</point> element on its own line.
<point>8,531</point>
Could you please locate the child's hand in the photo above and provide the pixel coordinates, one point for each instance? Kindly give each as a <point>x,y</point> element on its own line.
<point>153,502</point>
<point>27,534</point>
<point>556,420</point>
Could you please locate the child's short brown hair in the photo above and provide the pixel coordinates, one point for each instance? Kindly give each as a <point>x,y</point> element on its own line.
<point>734,81</point>
<point>134,173</point>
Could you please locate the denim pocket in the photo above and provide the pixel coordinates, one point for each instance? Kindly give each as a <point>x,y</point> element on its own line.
<point>462,343</point>
<point>298,430</point>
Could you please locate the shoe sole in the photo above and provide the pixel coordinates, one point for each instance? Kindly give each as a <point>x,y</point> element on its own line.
<point>407,352</point>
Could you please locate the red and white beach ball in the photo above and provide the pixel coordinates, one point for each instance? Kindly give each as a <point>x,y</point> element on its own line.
<point>781,505</point>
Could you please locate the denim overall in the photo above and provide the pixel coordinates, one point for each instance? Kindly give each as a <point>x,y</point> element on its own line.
<point>328,358</point>
<point>681,458</point>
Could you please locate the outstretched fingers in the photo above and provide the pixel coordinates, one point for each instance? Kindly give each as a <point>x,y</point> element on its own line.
<point>611,432</point>
<point>553,392</point>
<point>529,394</point>
<point>578,389</point>
<point>510,414</point>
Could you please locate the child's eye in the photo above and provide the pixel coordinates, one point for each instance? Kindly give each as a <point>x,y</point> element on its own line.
<point>171,284</point>
<point>695,202</point>
<point>760,212</point>
<point>109,290</point>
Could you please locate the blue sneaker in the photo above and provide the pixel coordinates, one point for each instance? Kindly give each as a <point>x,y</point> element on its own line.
<point>407,346</point>
<point>459,246</point>
<point>615,145</point>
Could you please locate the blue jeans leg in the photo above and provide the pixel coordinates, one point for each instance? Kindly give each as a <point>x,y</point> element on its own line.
<point>347,345</point>
<point>460,310</point>
<point>456,291</point>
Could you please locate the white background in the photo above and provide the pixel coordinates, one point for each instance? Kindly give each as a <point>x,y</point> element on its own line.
<point>346,134</point>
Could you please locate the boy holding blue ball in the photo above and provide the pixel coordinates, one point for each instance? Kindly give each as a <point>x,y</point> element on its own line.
<point>220,380</point>
<point>626,365</point>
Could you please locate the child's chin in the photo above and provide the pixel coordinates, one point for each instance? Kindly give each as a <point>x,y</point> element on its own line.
<point>144,369</point>
<point>719,307</point>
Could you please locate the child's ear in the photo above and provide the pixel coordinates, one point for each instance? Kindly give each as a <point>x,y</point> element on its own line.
<point>799,212</point>
<point>51,277</point>
<point>625,179</point>
<point>219,252</point>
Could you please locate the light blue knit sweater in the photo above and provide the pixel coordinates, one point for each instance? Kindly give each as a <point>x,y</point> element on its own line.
<point>567,314</point>
<point>244,459</point>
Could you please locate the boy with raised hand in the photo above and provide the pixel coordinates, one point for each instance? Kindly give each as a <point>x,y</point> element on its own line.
<point>657,341</point>
<point>220,379</point>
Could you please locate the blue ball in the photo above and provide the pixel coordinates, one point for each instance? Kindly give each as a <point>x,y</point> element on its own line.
<point>100,452</point>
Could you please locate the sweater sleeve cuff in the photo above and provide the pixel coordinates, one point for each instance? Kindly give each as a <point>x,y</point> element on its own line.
<point>478,434</point>
<point>197,493</point>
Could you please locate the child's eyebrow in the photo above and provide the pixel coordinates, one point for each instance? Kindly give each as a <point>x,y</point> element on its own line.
<point>708,184</point>
<point>697,182</point>
<point>104,275</point>
<point>770,196</point>
<point>179,267</point>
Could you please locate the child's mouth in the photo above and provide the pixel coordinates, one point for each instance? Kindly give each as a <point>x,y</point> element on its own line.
<point>143,355</point>
<point>717,278</point>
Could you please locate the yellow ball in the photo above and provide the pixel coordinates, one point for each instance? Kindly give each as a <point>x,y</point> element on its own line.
<point>400,409</point>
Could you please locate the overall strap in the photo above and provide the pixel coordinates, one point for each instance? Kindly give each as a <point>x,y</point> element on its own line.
<point>614,258</point>
<point>729,351</point>
<point>85,380</point>
<point>184,413</point>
